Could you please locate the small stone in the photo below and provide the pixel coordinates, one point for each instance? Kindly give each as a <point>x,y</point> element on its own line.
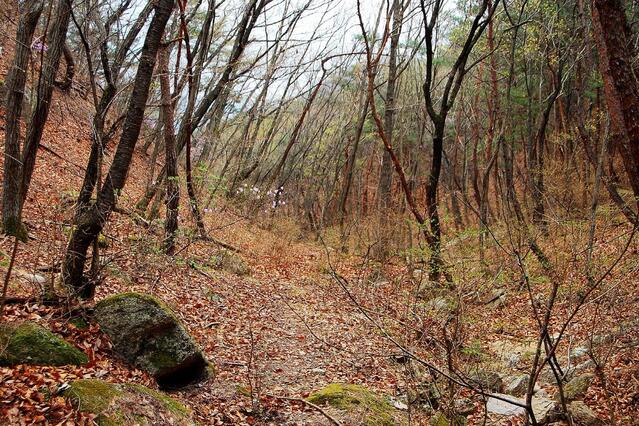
<point>230,262</point>
<point>439,304</point>
<point>464,406</point>
<point>511,353</point>
<point>496,298</point>
<point>545,410</point>
<point>487,380</point>
<point>584,366</point>
<point>31,277</point>
<point>318,371</point>
<point>517,386</point>
<point>582,414</point>
<point>579,352</point>
<point>399,405</point>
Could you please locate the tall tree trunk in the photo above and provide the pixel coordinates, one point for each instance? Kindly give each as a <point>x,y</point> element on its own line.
<point>616,55</point>
<point>350,162</point>
<point>539,151</point>
<point>386,174</point>
<point>16,81</point>
<point>187,124</point>
<point>55,40</point>
<point>172,185</point>
<point>89,224</point>
<point>384,196</point>
<point>436,262</point>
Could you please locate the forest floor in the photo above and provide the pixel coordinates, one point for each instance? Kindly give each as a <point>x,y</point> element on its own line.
<point>286,329</point>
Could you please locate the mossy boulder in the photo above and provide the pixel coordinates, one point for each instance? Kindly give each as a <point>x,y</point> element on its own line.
<point>577,387</point>
<point>126,404</point>
<point>147,334</point>
<point>29,343</point>
<point>376,410</point>
<point>230,262</point>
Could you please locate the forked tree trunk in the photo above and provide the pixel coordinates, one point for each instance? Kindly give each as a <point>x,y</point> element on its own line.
<point>89,224</point>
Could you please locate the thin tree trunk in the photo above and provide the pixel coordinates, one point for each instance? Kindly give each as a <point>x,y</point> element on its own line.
<point>172,186</point>
<point>386,174</point>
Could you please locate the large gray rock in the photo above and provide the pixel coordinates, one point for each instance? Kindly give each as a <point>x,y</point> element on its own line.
<point>29,343</point>
<point>126,404</point>
<point>147,334</point>
<point>503,407</point>
<point>545,409</point>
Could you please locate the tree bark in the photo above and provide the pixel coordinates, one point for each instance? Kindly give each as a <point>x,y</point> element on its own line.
<point>55,40</point>
<point>386,174</point>
<point>616,56</point>
<point>89,224</point>
<point>172,186</point>
<point>16,80</point>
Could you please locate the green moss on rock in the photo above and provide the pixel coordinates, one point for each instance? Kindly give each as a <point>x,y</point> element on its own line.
<point>124,404</point>
<point>440,419</point>
<point>577,387</point>
<point>147,334</point>
<point>171,404</point>
<point>13,226</point>
<point>230,262</point>
<point>29,343</point>
<point>377,409</point>
<point>92,396</point>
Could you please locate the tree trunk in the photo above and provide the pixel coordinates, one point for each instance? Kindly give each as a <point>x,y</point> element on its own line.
<point>172,186</point>
<point>616,56</point>
<point>436,262</point>
<point>91,222</point>
<point>16,81</point>
<point>55,40</point>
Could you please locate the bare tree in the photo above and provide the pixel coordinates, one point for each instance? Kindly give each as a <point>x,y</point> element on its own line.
<point>89,224</point>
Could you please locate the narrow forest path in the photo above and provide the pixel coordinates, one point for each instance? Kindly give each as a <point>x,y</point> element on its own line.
<point>286,330</point>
